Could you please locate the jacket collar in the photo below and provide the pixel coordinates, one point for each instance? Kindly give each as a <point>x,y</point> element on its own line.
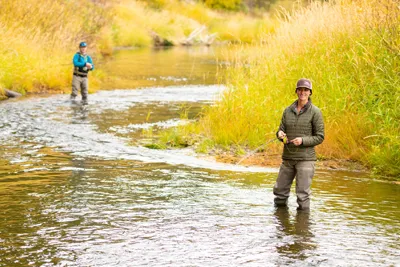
<point>293,107</point>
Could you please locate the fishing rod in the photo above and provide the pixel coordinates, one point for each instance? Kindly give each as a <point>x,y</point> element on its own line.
<point>254,151</point>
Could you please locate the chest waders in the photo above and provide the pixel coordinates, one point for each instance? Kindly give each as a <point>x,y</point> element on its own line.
<point>81,71</point>
<point>80,80</point>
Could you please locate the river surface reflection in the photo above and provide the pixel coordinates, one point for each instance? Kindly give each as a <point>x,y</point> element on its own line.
<point>76,191</point>
<point>165,66</point>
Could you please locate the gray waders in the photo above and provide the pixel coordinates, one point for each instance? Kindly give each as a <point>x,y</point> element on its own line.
<point>304,172</point>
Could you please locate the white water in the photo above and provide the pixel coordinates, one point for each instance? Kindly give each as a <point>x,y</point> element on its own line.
<point>56,122</point>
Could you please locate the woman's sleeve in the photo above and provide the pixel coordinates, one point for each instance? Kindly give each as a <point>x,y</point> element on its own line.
<point>318,130</point>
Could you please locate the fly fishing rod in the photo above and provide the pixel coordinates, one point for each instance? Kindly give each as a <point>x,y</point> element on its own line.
<point>254,151</point>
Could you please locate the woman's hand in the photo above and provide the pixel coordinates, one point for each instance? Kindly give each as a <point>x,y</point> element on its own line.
<point>297,141</point>
<point>281,135</point>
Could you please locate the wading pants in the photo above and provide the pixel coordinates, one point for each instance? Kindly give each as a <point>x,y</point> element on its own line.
<point>304,172</point>
<point>79,83</point>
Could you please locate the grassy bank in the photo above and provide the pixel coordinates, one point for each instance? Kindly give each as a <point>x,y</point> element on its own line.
<point>137,21</point>
<point>39,38</point>
<point>350,50</point>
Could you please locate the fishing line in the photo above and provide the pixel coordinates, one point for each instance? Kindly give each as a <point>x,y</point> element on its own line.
<point>285,143</point>
<point>254,151</point>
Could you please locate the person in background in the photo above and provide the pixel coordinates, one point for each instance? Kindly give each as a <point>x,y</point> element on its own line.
<point>82,65</point>
<point>301,129</point>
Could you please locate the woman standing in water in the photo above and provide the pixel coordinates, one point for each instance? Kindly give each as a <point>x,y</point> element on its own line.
<point>301,129</point>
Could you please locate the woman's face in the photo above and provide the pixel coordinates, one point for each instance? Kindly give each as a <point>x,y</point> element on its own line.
<point>303,93</point>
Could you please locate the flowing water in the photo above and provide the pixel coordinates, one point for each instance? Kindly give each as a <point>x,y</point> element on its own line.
<point>77,190</point>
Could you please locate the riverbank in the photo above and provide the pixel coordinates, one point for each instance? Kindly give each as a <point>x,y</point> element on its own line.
<point>274,160</point>
<point>265,159</point>
<point>37,49</point>
<point>351,58</point>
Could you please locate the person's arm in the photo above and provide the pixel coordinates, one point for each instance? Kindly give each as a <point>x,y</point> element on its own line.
<point>77,62</point>
<point>89,60</point>
<point>318,130</point>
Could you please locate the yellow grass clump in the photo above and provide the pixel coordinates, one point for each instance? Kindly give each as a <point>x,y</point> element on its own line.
<point>136,21</point>
<point>39,39</point>
<point>350,50</point>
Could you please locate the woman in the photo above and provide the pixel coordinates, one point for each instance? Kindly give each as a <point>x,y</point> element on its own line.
<point>301,129</point>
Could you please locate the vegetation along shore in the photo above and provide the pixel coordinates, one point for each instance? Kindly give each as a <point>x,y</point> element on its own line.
<point>349,49</point>
<point>39,37</point>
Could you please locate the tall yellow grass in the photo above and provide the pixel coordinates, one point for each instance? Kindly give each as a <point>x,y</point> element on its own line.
<point>39,38</point>
<point>350,50</point>
<point>175,20</point>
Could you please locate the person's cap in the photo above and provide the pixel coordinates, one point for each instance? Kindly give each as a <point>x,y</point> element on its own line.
<point>82,44</point>
<point>305,83</point>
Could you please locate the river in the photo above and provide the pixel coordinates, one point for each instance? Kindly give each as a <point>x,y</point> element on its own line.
<point>77,189</point>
